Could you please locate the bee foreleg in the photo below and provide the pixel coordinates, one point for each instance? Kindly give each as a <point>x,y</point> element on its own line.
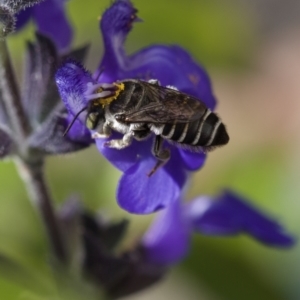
<point>102,132</point>
<point>120,144</point>
<point>163,155</point>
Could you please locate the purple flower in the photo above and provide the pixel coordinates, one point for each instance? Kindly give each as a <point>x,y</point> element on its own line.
<point>50,19</point>
<point>167,240</point>
<point>171,65</point>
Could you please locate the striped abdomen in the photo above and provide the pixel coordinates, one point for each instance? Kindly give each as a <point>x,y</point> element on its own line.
<point>207,131</point>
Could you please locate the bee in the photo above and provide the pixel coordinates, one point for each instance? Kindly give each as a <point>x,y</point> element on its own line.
<point>137,109</point>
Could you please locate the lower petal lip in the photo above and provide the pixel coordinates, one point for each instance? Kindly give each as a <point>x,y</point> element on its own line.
<point>230,214</point>
<point>139,194</point>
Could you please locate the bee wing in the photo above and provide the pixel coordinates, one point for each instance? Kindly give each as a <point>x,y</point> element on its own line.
<point>166,106</point>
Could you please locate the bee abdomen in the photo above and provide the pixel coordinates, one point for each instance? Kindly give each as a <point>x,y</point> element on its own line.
<point>211,132</point>
<point>208,131</point>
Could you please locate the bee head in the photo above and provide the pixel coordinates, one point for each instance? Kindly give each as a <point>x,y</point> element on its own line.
<point>94,116</point>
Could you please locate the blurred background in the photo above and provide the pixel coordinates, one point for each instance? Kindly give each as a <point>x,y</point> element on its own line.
<point>251,50</point>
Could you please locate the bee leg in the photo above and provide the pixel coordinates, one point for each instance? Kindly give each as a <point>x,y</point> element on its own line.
<point>163,155</point>
<point>102,132</point>
<point>120,144</point>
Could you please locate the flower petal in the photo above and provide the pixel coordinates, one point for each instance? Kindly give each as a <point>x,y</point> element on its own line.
<point>51,20</point>
<point>167,240</point>
<point>193,161</point>
<point>115,24</point>
<point>122,159</point>
<point>136,161</point>
<point>78,132</point>
<point>72,81</point>
<point>230,214</point>
<point>172,65</point>
<point>140,194</point>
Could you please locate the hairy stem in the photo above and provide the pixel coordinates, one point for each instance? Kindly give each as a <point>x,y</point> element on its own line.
<point>30,164</point>
<point>11,96</point>
<point>32,174</point>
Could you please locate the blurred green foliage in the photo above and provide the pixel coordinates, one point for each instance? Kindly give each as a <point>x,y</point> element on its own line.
<point>220,34</point>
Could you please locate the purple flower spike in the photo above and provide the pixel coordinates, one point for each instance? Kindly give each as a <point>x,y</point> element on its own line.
<point>229,214</point>
<point>168,239</point>
<point>50,19</point>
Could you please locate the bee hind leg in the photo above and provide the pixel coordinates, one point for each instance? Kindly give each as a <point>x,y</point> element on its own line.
<point>163,155</point>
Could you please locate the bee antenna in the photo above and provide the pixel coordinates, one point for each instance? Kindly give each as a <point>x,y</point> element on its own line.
<point>74,119</point>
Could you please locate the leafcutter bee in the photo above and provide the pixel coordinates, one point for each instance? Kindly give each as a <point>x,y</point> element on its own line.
<point>138,109</point>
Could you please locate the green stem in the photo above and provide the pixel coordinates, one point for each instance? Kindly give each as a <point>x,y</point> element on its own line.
<point>30,164</point>
<point>32,174</point>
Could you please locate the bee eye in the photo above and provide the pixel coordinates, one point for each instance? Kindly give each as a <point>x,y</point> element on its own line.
<point>91,120</point>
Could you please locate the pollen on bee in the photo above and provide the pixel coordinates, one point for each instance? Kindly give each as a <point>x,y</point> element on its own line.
<point>105,101</point>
